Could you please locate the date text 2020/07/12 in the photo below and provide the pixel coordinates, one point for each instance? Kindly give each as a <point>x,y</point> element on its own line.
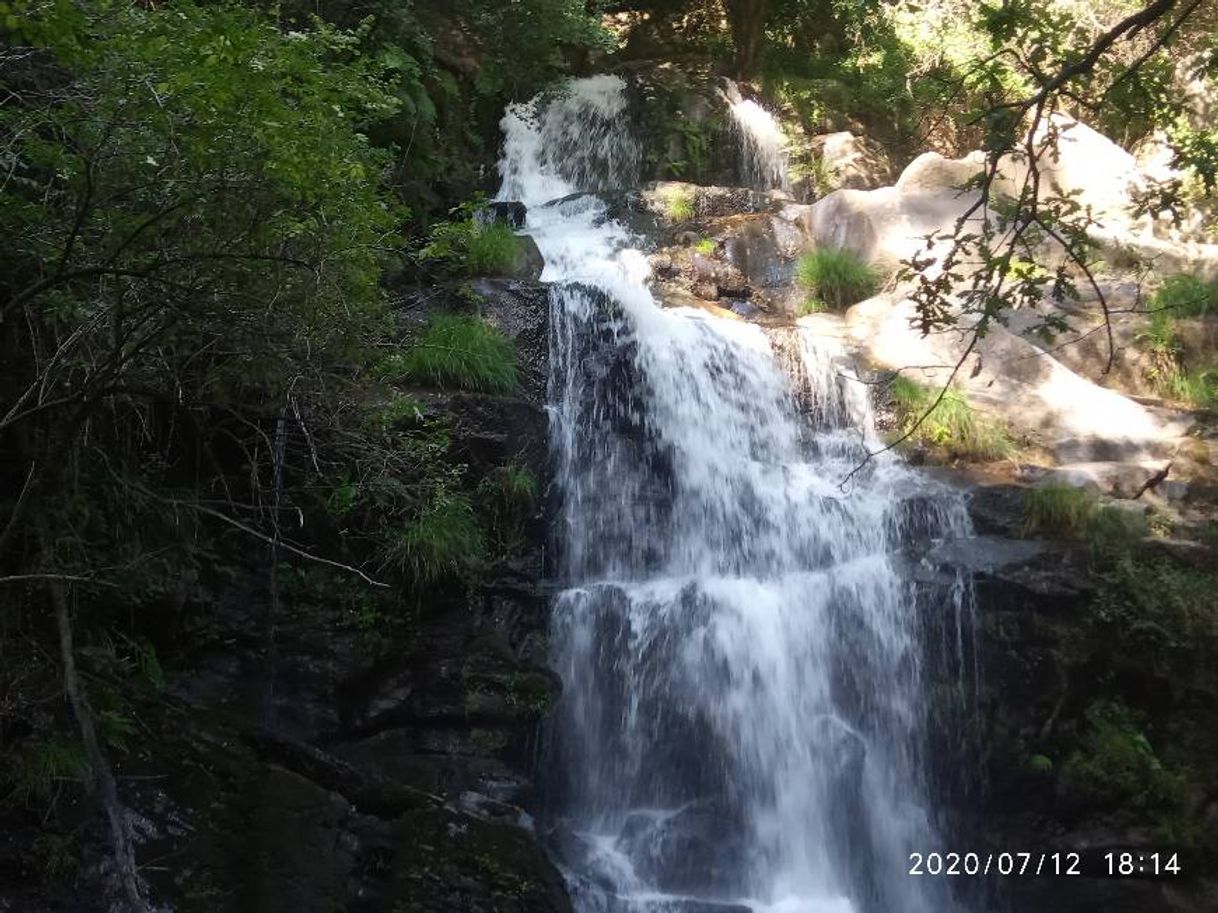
<point>1123,864</point>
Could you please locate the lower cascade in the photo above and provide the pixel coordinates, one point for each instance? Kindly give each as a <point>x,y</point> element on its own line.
<point>742,724</point>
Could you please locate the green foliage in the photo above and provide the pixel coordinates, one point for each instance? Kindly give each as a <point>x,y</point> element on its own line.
<point>1040,764</point>
<point>1180,296</point>
<point>186,174</point>
<point>459,352</point>
<point>695,138</point>
<point>1071,512</point>
<point>1153,602</point>
<point>36,769</point>
<point>1184,295</point>
<point>444,540</point>
<point>1115,763</point>
<point>473,246</point>
<point>812,306</point>
<point>953,424</point>
<point>678,204</point>
<point>705,246</point>
<point>836,277</point>
<point>508,497</point>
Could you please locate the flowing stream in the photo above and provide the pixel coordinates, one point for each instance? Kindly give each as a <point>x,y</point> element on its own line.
<point>741,726</point>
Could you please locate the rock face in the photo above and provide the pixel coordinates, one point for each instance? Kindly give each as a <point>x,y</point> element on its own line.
<point>1080,733</point>
<point>379,765</point>
<point>851,162</point>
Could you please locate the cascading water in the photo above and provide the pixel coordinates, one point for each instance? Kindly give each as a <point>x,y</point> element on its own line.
<point>740,722</point>
<point>763,148</point>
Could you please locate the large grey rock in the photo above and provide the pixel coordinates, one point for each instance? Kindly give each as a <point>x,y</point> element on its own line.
<point>850,161</point>
<point>1075,419</point>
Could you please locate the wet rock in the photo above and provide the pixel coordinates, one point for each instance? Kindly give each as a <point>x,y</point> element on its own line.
<point>529,263</point>
<point>996,509</point>
<point>687,852</point>
<point>522,311</point>
<point>510,213</point>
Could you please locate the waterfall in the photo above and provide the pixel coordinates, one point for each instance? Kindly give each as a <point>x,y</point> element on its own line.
<point>763,148</point>
<point>741,726</point>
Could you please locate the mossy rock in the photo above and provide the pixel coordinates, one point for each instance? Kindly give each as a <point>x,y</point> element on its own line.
<point>448,862</point>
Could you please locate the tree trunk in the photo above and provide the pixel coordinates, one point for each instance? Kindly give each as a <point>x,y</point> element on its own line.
<point>103,777</point>
<point>747,20</point>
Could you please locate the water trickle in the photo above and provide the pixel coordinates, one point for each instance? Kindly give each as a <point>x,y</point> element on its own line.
<point>763,147</point>
<point>741,720</point>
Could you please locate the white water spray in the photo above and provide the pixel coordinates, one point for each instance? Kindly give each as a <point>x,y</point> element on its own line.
<point>741,718</point>
<point>763,147</point>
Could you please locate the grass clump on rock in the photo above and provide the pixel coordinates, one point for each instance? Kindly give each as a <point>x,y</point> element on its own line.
<point>1071,512</point>
<point>1180,296</point>
<point>836,278</point>
<point>1184,295</point>
<point>473,246</point>
<point>460,352</point>
<point>442,541</point>
<point>678,204</point>
<point>953,425</point>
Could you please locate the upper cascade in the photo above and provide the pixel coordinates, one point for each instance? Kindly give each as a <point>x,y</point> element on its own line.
<point>763,146</point>
<point>571,140</point>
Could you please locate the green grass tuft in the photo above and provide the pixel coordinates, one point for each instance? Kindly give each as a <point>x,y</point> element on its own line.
<point>1183,295</point>
<point>460,352</point>
<point>678,204</point>
<point>473,247</point>
<point>1070,512</point>
<point>36,770</point>
<point>494,250</point>
<point>442,541</point>
<point>1180,296</point>
<point>837,277</point>
<point>1059,511</point>
<point>1196,388</point>
<point>511,486</point>
<point>954,424</point>
<point>705,246</point>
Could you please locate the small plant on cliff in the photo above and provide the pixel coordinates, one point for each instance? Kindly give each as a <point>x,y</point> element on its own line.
<point>812,306</point>
<point>705,246</point>
<point>1116,764</point>
<point>472,246</point>
<point>508,496</point>
<point>461,352</point>
<point>1183,295</point>
<point>1071,512</point>
<point>836,276</point>
<point>443,540</point>
<point>953,424</point>
<point>678,203</point>
<point>1059,511</point>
